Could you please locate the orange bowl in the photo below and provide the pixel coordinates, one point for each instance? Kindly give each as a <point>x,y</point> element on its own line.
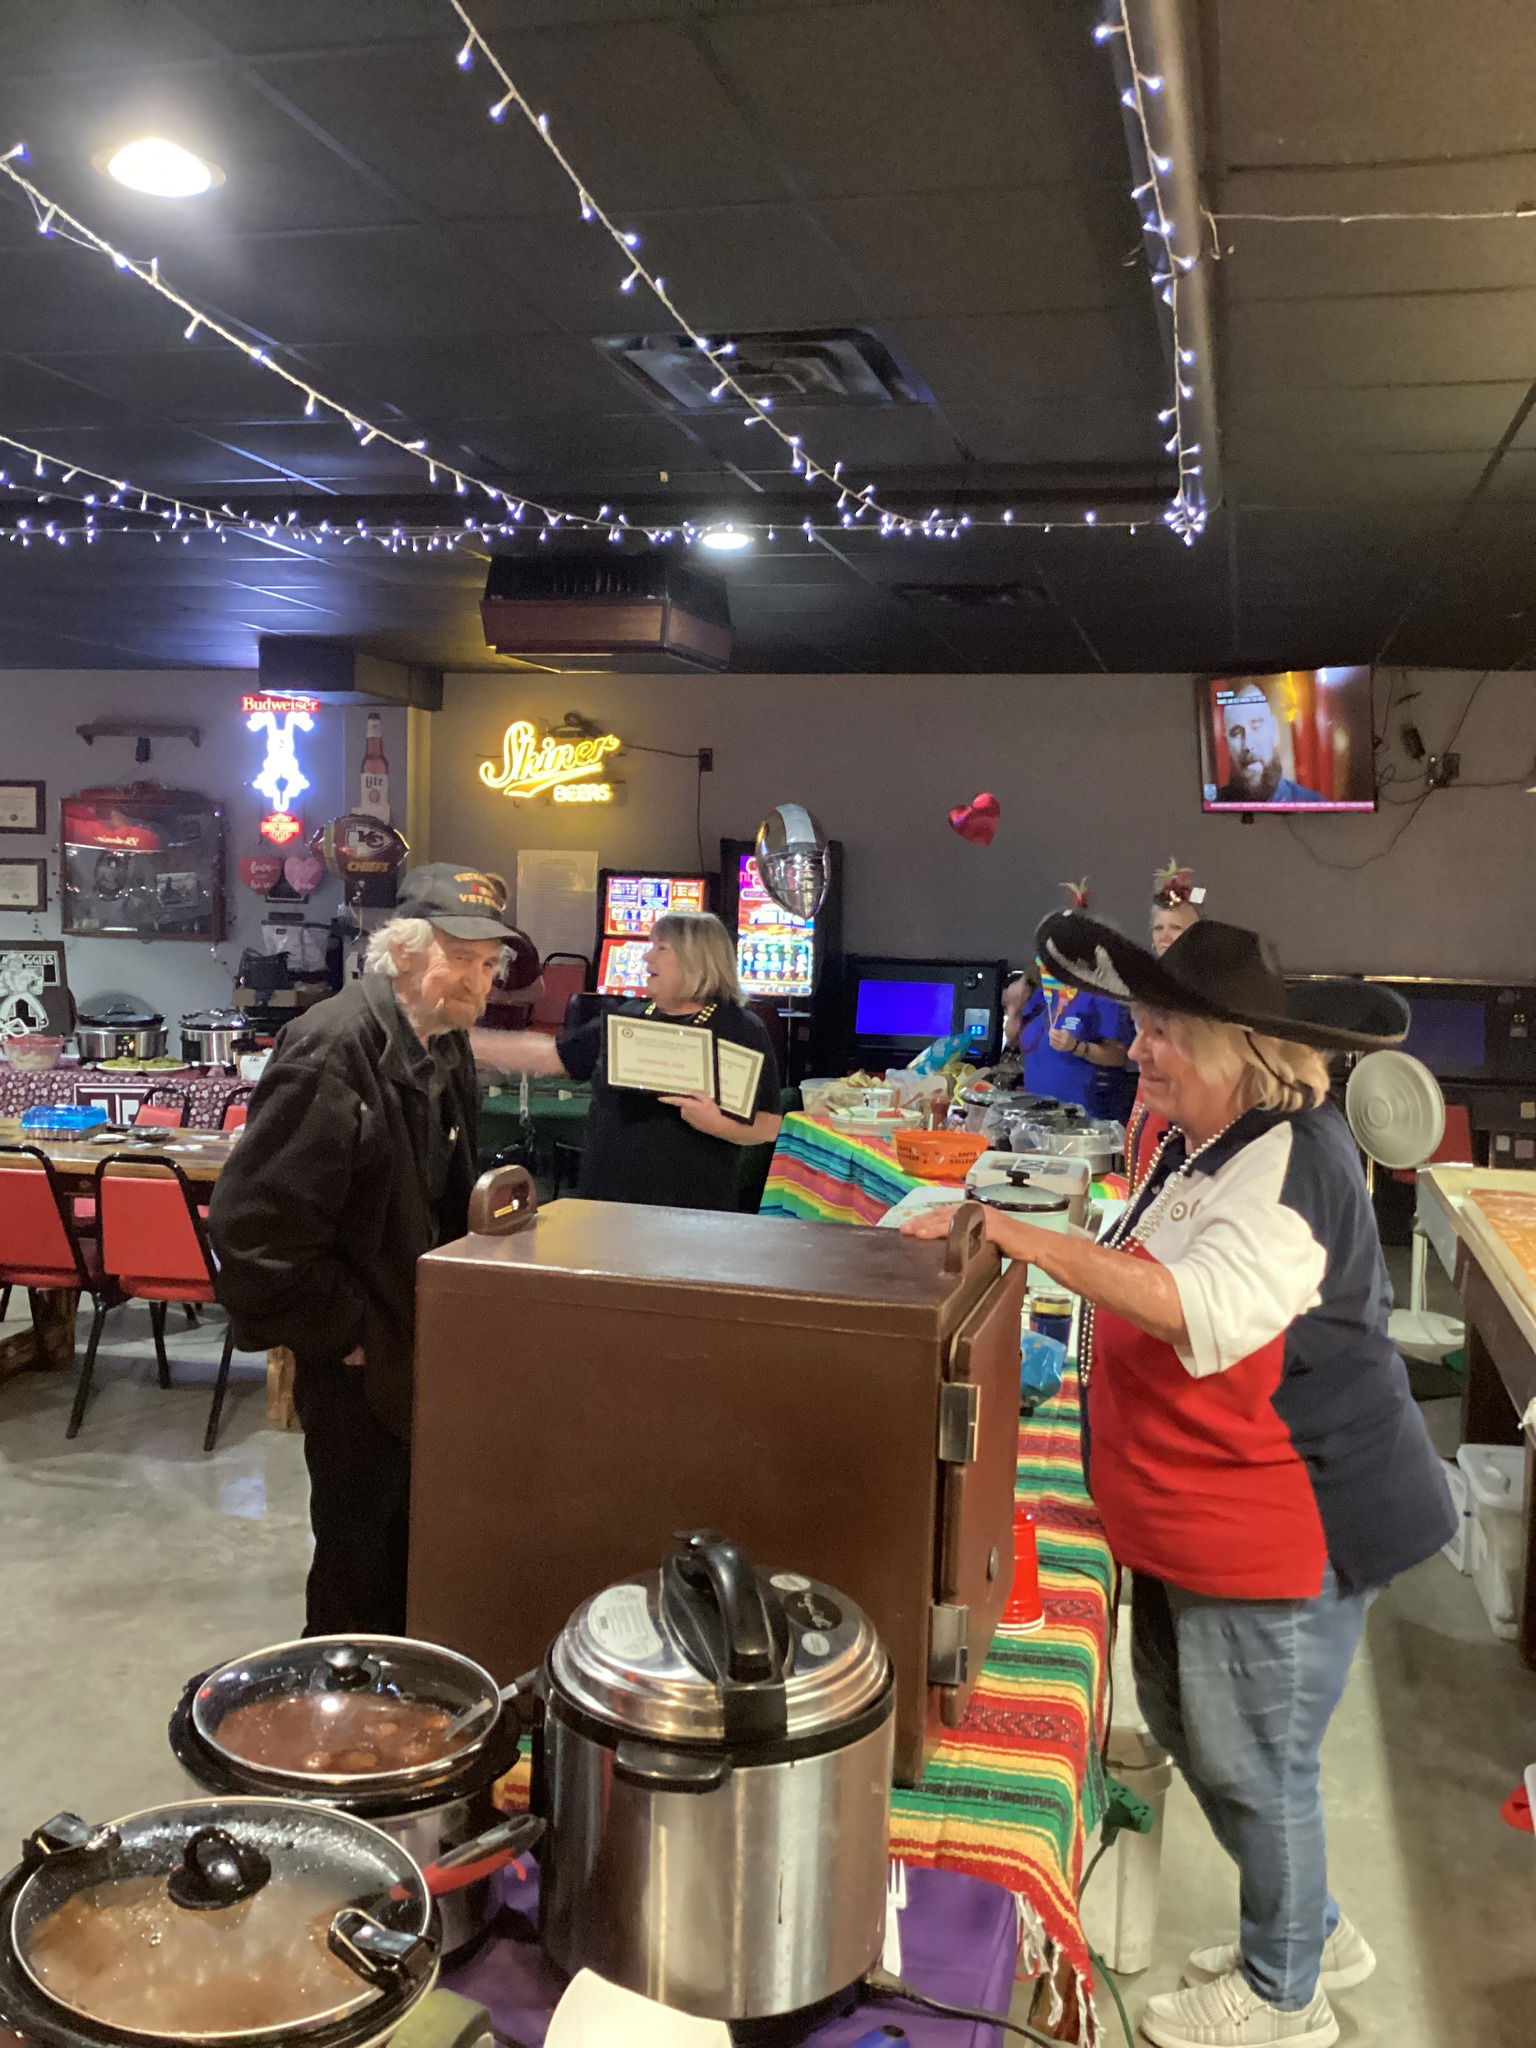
<point>938,1155</point>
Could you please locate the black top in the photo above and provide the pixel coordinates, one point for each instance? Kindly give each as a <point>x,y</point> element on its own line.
<point>637,1148</point>
<point>358,1155</point>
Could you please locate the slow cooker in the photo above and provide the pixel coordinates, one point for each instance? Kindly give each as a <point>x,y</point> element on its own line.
<point>717,1771</point>
<point>216,1038</point>
<point>118,1031</point>
<point>249,1920</point>
<point>403,1734</point>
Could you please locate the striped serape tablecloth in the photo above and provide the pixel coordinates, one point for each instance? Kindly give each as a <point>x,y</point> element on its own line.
<point>821,1174</point>
<point>1013,1794</point>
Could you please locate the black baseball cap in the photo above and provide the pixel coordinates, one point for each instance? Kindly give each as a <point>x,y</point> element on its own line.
<point>467,903</point>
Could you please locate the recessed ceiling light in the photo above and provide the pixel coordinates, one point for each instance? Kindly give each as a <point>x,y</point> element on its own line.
<point>725,540</point>
<point>163,169</point>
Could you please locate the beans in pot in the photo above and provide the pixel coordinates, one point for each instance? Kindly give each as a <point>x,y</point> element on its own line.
<point>338,1734</point>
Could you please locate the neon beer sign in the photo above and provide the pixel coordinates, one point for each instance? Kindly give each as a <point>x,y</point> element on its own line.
<point>534,765</point>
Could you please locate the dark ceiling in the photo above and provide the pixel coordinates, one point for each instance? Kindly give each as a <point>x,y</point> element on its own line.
<point>950,176</point>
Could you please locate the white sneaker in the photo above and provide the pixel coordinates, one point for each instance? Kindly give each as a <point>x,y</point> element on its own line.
<point>1228,2013</point>
<point>1348,1959</point>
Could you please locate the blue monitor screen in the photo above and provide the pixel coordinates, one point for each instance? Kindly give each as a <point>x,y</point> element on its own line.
<point>1448,1033</point>
<point>905,1009</point>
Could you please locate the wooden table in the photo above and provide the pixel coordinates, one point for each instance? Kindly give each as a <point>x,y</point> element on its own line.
<point>1498,1299</point>
<point>201,1155</point>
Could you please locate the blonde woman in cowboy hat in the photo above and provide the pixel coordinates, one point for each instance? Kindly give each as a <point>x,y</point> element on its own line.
<point>1254,1452</point>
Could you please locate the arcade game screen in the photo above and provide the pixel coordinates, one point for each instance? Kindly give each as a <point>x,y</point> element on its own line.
<point>631,906</point>
<point>775,950</point>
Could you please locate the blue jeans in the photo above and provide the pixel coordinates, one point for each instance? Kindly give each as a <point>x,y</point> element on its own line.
<point>1239,1692</point>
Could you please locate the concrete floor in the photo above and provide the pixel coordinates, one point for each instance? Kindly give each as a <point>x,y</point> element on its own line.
<point>129,1560</point>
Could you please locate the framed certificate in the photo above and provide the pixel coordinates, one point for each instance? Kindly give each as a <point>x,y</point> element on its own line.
<point>660,1058</point>
<point>739,1069</point>
<point>23,806</point>
<point>23,884</point>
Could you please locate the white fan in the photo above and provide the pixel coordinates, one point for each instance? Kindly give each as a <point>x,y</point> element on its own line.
<point>1397,1114</point>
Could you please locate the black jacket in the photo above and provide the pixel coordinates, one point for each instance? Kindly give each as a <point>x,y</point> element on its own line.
<point>325,1206</point>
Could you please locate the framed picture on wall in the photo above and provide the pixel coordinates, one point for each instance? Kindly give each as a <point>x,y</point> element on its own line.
<point>23,884</point>
<point>23,806</point>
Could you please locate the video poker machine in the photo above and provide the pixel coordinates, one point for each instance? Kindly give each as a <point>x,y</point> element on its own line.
<point>628,906</point>
<point>787,965</point>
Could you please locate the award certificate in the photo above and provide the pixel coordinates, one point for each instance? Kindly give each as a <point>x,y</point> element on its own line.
<point>660,1058</point>
<point>740,1069</point>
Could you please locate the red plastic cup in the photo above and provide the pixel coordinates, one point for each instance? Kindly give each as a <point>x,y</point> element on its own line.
<point>1024,1613</point>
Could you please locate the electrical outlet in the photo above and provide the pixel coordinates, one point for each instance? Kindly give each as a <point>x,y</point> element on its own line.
<point>706,760</point>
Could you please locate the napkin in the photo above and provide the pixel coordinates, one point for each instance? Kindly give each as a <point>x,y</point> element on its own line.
<point>596,2014</point>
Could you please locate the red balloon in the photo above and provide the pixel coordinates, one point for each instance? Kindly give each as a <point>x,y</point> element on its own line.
<point>977,820</point>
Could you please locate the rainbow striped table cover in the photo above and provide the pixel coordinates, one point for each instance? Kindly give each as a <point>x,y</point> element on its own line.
<point>1014,1793</point>
<point>820,1174</point>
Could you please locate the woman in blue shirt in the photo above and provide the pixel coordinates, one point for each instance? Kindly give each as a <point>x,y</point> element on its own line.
<point>1074,1047</point>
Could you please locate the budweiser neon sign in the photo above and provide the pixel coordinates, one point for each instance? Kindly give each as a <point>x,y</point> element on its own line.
<point>532,765</point>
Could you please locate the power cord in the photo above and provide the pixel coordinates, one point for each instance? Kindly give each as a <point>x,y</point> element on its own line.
<point>887,1986</point>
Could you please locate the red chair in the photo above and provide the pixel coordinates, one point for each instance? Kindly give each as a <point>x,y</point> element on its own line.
<point>163,1108</point>
<point>40,1246</point>
<point>154,1248</point>
<point>561,982</point>
<point>237,1105</point>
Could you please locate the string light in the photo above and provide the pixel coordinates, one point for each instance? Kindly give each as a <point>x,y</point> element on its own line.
<point>1188,512</point>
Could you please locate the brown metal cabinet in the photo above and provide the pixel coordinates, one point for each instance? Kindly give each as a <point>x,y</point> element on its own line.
<point>595,1378</point>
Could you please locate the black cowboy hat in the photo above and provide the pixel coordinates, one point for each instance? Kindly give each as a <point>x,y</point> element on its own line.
<point>1225,973</point>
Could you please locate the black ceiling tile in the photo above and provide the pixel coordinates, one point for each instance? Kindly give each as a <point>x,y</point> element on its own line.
<point>1406,340</point>
<point>1376,420</point>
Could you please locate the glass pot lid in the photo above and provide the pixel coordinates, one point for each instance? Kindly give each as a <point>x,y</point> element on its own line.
<point>214,1020</point>
<point>708,1649</point>
<point>221,1920</point>
<point>123,1016</point>
<point>359,1712</point>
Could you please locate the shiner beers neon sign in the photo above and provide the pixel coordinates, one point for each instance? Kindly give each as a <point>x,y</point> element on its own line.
<point>533,766</point>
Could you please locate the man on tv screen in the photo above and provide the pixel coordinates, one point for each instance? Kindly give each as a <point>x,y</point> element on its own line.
<point>1253,750</point>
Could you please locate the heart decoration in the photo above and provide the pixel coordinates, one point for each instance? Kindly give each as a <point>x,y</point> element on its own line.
<point>261,872</point>
<point>304,872</point>
<point>977,820</point>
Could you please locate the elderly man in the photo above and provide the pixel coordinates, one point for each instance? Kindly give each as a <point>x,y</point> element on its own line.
<point>358,1157</point>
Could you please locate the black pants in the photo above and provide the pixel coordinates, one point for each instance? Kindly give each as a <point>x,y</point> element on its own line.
<point>359,1505</point>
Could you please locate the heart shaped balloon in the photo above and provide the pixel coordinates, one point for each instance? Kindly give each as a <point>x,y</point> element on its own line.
<point>304,873</point>
<point>977,820</point>
<point>261,872</point>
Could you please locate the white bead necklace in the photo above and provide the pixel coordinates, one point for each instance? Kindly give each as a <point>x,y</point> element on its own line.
<point>1122,1233</point>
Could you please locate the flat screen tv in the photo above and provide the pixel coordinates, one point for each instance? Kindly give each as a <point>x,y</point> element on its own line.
<point>1301,740</point>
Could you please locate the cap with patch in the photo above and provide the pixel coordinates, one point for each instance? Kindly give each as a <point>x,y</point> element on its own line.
<point>467,903</point>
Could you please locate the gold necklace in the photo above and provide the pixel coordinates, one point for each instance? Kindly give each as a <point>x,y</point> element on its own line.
<point>699,1016</point>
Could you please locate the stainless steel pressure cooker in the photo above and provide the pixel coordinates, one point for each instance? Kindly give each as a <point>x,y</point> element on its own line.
<point>403,1734</point>
<point>717,1770</point>
<point>118,1031</point>
<point>236,1920</point>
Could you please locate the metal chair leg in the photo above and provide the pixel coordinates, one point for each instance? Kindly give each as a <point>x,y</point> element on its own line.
<point>82,1392</point>
<point>157,1324</point>
<point>211,1434</point>
<point>5,1304</point>
<point>191,1312</point>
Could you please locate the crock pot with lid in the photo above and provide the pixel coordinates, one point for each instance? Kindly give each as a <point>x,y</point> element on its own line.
<point>405,1734</point>
<point>717,1765</point>
<point>1019,1196</point>
<point>219,1920</point>
<point>216,1038</point>
<point>120,1031</point>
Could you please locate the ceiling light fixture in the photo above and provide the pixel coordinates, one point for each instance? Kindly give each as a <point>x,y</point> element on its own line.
<point>162,169</point>
<point>724,540</point>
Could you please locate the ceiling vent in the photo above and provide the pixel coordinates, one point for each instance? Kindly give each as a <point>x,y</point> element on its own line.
<point>843,366</point>
<point>596,606</point>
<point>974,596</point>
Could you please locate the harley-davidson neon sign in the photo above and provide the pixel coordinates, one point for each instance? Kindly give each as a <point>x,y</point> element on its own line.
<point>533,766</point>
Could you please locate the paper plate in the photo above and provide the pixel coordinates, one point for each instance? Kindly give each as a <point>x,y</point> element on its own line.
<point>1395,1109</point>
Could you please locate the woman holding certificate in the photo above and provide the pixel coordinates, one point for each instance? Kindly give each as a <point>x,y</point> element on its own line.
<point>681,1079</point>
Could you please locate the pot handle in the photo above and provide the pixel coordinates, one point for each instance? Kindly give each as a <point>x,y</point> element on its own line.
<point>65,1835</point>
<point>217,1869</point>
<point>347,1668</point>
<point>382,1956</point>
<point>650,1768</point>
<point>712,1595</point>
<point>503,1201</point>
<point>471,1861</point>
<point>967,1235</point>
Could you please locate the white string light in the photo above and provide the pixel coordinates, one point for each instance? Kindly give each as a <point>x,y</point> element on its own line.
<point>65,227</point>
<point>1188,512</point>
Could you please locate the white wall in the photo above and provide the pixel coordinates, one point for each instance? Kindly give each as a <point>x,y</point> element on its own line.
<point>39,711</point>
<point>1096,776</point>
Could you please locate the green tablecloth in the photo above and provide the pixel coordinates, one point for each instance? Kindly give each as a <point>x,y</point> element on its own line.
<point>557,1114</point>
